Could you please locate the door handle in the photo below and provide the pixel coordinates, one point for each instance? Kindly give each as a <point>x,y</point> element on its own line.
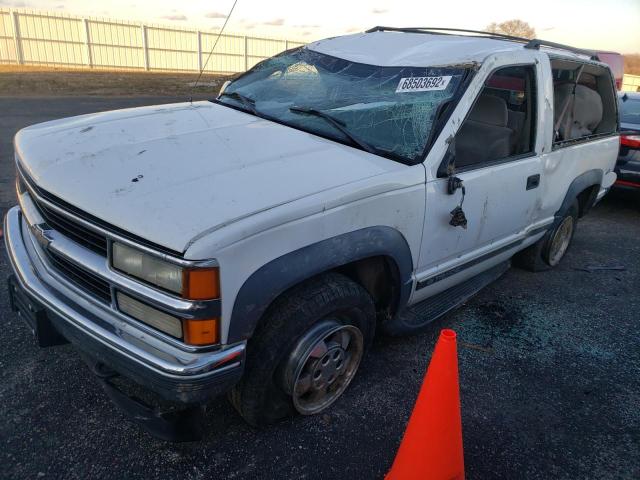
<point>533,181</point>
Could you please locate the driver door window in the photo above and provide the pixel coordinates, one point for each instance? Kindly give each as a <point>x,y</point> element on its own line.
<point>501,123</point>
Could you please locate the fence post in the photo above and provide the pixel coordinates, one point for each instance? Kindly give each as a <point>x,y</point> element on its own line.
<point>87,42</point>
<point>16,38</point>
<point>199,51</point>
<point>246,53</point>
<point>145,48</point>
<point>286,44</point>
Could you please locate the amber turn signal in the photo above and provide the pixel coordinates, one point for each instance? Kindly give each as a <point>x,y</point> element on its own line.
<point>201,283</point>
<point>201,332</point>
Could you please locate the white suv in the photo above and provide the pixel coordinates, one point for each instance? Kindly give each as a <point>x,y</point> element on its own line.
<point>255,243</point>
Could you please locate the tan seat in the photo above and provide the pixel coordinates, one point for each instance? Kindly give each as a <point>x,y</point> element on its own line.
<point>583,113</point>
<point>484,135</point>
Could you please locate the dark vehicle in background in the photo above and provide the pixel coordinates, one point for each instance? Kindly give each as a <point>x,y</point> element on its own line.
<point>616,63</point>
<point>628,165</point>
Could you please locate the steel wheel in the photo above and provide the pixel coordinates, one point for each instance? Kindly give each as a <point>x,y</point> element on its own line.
<point>322,364</point>
<point>560,240</point>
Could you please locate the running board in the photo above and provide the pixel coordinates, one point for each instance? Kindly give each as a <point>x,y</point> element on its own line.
<point>416,318</point>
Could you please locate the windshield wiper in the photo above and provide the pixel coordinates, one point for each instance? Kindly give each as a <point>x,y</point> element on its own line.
<point>337,124</point>
<point>248,102</point>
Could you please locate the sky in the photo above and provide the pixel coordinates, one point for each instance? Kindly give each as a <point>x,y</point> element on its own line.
<point>596,24</point>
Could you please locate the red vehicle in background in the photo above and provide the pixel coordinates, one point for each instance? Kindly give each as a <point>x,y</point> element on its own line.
<point>616,63</point>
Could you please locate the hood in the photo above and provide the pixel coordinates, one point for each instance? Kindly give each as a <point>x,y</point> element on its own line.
<point>167,173</point>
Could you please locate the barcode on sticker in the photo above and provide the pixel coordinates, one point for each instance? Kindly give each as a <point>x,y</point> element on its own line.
<point>422,84</point>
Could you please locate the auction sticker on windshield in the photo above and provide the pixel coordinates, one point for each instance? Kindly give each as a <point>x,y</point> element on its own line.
<point>422,84</point>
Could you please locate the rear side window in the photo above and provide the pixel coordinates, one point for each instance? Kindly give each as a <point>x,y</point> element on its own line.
<point>584,102</point>
<point>501,123</point>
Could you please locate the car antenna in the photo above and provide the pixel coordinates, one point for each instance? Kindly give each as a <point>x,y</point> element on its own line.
<point>211,52</point>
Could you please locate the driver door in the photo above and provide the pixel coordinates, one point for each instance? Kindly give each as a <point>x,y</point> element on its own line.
<point>495,158</point>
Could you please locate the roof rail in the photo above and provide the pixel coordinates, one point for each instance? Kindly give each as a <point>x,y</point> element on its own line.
<point>536,43</point>
<point>438,31</point>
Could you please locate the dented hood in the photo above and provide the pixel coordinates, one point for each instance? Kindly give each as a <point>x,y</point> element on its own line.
<point>169,173</point>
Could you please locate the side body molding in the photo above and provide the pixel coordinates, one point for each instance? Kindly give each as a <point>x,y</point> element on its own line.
<point>272,279</point>
<point>582,181</point>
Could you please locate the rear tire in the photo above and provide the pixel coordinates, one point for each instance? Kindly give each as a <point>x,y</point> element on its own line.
<point>312,337</point>
<point>547,252</point>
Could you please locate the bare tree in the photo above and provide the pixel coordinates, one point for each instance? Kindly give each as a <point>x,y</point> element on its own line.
<point>632,64</point>
<point>515,27</point>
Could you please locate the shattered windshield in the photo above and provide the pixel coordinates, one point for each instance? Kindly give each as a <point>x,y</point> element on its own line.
<point>389,111</point>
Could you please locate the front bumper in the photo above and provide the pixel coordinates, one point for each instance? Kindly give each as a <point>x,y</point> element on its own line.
<point>174,373</point>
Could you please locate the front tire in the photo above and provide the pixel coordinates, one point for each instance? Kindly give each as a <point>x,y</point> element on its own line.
<point>547,252</point>
<point>306,351</point>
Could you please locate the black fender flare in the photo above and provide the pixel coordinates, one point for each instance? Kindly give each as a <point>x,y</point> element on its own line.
<point>282,273</point>
<point>579,184</point>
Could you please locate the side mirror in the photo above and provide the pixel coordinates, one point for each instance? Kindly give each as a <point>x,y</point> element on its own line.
<point>448,165</point>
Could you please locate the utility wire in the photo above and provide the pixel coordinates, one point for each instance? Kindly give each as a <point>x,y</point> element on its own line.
<point>213,48</point>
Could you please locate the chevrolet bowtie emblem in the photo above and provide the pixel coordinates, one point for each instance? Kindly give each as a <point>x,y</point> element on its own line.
<point>40,232</point>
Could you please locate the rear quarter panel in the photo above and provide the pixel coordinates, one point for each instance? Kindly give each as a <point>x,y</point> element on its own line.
<point>562,166</point>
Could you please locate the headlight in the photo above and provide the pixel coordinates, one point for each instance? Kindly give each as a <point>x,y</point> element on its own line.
<point>149,315</point>
<point>193,332</point>
<point>190,283</point>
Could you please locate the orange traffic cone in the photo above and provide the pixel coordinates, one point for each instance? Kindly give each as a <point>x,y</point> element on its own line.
<point>432,445</point>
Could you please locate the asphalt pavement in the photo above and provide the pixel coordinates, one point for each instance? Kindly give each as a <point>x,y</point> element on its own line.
<point>549,376</point>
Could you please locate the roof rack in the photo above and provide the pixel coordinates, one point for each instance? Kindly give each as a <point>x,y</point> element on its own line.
<point>438,31</point>
<point>534,44</point>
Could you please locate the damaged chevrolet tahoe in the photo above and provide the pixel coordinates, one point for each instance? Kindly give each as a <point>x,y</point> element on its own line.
<point>254,244</point>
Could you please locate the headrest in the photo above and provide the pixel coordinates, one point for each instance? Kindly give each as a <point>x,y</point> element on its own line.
<point>491,110</point>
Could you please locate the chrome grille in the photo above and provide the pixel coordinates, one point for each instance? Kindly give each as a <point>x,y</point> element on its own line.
<point>63,224</point>
<point>75,231</point>
<point>81,278</point>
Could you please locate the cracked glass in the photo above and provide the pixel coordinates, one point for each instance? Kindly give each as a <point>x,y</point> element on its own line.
<point>389,111</point>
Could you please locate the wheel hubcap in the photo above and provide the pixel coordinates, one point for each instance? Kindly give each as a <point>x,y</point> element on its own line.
<point>322,365</point>
<point>560,241</point>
